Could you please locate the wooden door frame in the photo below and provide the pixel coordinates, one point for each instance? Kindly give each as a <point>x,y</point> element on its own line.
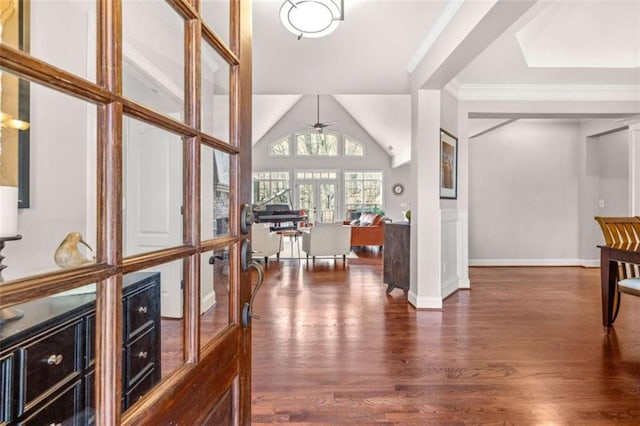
<point>185,397</point>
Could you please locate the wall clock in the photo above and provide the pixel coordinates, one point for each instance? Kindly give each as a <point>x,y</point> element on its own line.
<point>398,189</point>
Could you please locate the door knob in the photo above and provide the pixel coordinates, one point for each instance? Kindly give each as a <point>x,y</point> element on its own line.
<point>246,218</point>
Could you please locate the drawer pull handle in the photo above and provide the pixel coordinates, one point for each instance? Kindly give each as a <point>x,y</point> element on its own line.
<point>142,354</point>
<point>54,360</point>
<point>142,309</point>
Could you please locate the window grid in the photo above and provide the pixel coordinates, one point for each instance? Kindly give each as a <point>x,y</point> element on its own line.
<point>363,191</point>
<point>280,148</point>
<point>316,175</point>
<point>317,144</point>
<point>268,184</point>
<point>353,148</point>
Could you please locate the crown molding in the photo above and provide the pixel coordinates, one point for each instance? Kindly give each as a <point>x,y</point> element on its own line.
<point>453,87</point>
<point>633,122</point>
<point>544,92</point>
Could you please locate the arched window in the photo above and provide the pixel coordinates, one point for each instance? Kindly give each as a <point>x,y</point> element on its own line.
<point>353,148</point>
<point>280,148</point>
<point>317,144</point>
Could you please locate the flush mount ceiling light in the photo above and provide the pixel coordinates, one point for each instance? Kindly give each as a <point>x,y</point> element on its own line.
<point>311,18</point>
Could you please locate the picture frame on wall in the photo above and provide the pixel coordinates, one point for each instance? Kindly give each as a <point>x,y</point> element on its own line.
<point>448,165</point>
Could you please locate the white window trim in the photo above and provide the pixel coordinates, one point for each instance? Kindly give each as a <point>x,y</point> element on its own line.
<point>344,184</point>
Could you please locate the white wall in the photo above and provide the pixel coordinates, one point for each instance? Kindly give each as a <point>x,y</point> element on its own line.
<point>612,153</point>
<point>605,182</point>
<point>523,194</point>
<point>59,182</point>
<point>304,112</point>
<point>62,137</point>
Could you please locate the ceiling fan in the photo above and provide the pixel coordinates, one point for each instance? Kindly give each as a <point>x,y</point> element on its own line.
<point>320,126</point>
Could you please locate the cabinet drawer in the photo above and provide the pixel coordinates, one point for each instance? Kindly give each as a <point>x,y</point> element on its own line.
<point>60,411</point>
<point>138,391</point>
<point>140,309</point>
<point>140,356</point>
<point>49,361</point>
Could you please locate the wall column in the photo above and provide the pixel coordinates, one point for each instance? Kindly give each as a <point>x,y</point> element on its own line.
<point>425,288</point>
<point>634,168</point>
<point>463,198</point>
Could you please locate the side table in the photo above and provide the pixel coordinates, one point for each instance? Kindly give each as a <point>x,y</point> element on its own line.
<point>293,235</point>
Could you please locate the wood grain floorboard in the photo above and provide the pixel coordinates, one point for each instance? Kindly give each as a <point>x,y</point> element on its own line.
<point>524,346</point>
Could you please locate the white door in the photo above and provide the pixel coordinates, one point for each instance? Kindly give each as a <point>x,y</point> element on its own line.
<point>152,202</point>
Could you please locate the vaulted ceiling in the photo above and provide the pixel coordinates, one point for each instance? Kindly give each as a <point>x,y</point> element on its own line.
<point>555,45</point>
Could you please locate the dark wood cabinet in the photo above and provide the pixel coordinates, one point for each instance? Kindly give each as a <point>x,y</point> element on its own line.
<point>47,358</point>
<point>397,251</point>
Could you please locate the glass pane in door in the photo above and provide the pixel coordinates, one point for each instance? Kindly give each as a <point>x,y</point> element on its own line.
<point>153,56</point>
<point>327,202</point>
<point>306,200</point>
<point>215,294</point>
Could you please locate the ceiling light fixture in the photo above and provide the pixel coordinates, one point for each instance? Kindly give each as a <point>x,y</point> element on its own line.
<point>311,18</point>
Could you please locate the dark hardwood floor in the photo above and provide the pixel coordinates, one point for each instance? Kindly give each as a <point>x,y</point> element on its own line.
<point>524,346</point>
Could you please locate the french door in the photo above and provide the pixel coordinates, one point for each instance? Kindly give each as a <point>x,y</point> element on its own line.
<point>319,198</point>
<point>168,83</point>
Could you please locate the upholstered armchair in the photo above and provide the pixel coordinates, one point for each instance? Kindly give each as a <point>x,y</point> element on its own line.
<point>327,239</point>
<point>264,243</point>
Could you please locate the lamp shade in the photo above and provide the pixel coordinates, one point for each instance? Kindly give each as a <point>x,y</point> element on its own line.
<point>310,18</point>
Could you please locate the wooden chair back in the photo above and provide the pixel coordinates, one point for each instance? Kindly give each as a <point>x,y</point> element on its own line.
<point>620,229</point>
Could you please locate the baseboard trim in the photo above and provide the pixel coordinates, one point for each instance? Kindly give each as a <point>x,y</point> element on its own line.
<point>424,302</point>
<point>449,288</point>
<point>534,262</point>
<point>207,302</point>
<point>464,283</point>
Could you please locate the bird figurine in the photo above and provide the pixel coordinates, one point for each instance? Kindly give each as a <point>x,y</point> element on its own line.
<point>68,255</point>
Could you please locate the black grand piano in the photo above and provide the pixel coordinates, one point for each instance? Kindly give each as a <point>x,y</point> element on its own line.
<point>281,216</point>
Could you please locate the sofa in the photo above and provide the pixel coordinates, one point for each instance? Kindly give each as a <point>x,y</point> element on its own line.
<point>367,230</point>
